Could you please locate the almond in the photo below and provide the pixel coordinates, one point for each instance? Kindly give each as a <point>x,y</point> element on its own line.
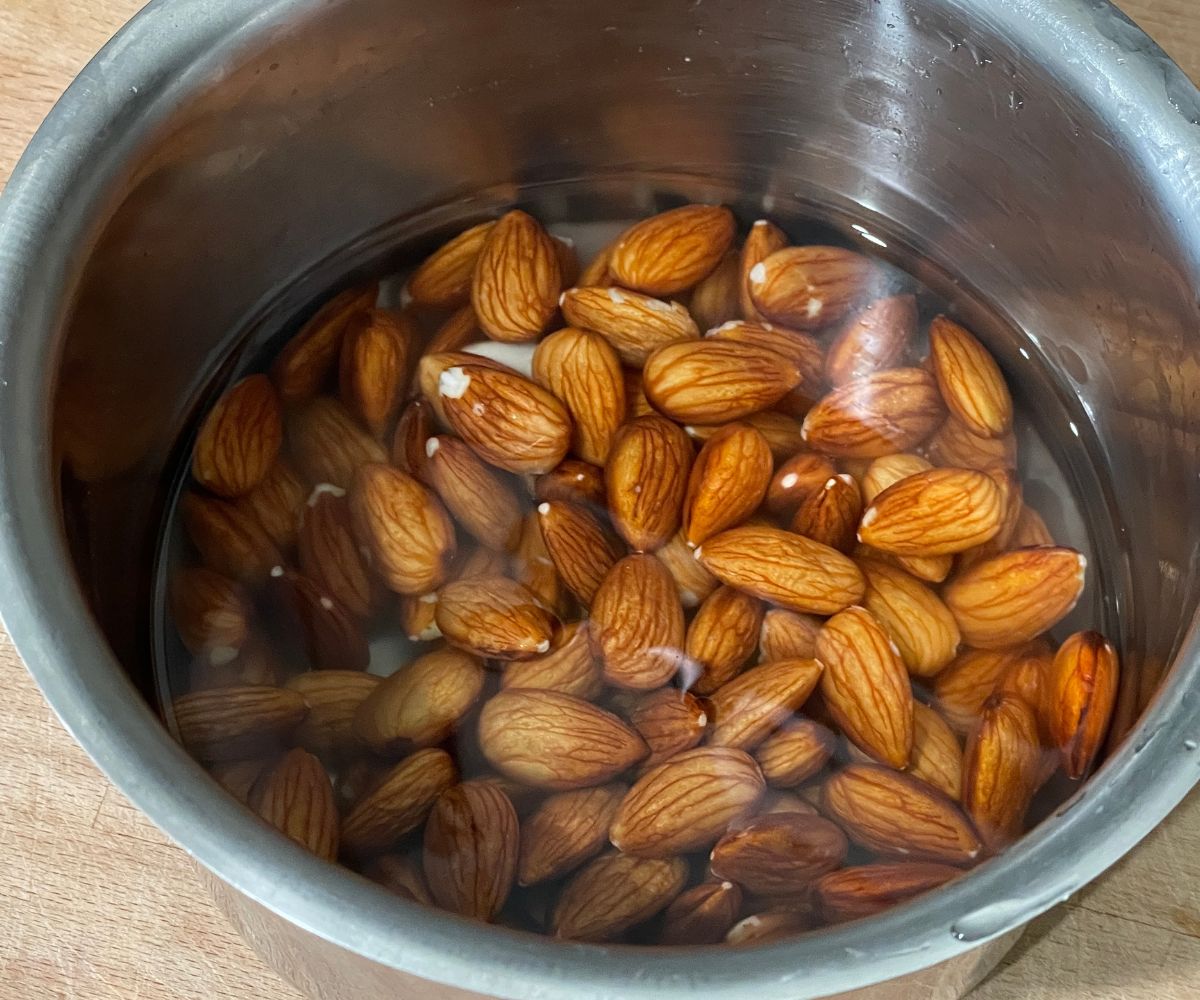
<point>597,273</point>
<point>236,722</point>
<point>297,799</point>
<point>373,370</point>
<point>229,540</point>
<point>794,753</point>
<point>670,721</point>
<point>763,240</point>
<point>471,844</point>
<point>276,503</point>
<point>1000,769</point>
<point>637,624</point>
<point>614,892</point>
<point>702,915</point>
<point>1029,679</point>
<point>479,562</point>
<point>1030,530</point>
<point>333,697</point>
<point>876,415</point>
<point>687,803</point>
<point>783,568</point>
<point>254,663</point>
<point>305,362</point>
<point>418,616</point>
<point>692,581</point>
<point>494,617</point>
<point>568,260</point>
<point>673,250</point>
<point>931,569</point>
<point>421,703</point>
<point>1013,597</point>
<point>937,758</point>
<point>239,777</point>
<point>786,802</point>
<point>574,482</point>
<point>566,830</point>
<point>970,380</point>
<point>954,444</point>
<point>582,548</point>
<point>811,286</point>
<point>304,615</point>
<point>517,279</point>
<point>360,777</point>
<point>873,339</point>
<point>400,875</point>
<point>768,926</point>
<point>328,444</point>
<point>582,370</point>
<point>962,687</point>
<point>787,635</point>
<point>913,616</point>
<point>414,428</point>
<point>716,380</point>
<point>443,281</point>
<point>727,483</point>
<point>722,636</point>
<point>780,854</point>
<point>398,803</point>
<point>750,707</point>
<point>796,479</point>
<point>863,891</point>
<point>647,478</point>
<point>715,299</point>
<point>634,324</point>
<point>459,330</point>
<point>330,554</point>
<point>569,666</point>
<point>1013,503</point>
<point>866,686</point>
<point>898,816</point>
<point>533,567</point>
<point>887,470</point>
<point>239,439</point>
<point>831,514</point>
<point>1081,693</point>
<point>552,740</point>
<point>479,499</point>
<point>801,349</point>
<point>210,611</point>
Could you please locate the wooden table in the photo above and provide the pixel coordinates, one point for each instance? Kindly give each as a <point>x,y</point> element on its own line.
<point>95,904</point>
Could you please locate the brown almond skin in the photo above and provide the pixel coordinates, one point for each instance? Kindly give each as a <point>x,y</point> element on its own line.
<point>788,635</point>
<point>934,513</point>
<point>898,816</point>
<point>1030,530</point>
<point>225,724</point>
<point>333,697</point>
<point>635,325</point>
<point>1012,503</point>
<point>494,617</point>
<point>517,279</point>
<point>328,444</point>
<point>305,362</point>
<point>421,703</point>
<point>722,636</point>
<point>443,281</point>
<point>763,240</point>
<point>636,624</point>
<point>810,287</point>
<point>565,830</point>
<point>863,891</point>
<point>533,567</point>
<point>552,740</point>
<point>803,350</point>
<point>787,802</point>
<point>768,926</point>
<point>1000,769</point>
<point>796,479</point>
<point>582,370</point>
<point>276,504</point>
<point>314,623</point>
<point>471,843</point>
<point>783,568</point>
<point>866,686</point>
<point>330,555</point>
<point>1016,596</point>
<point>478,498</point>
<point>779,854</point>
<point>966,683</point>
<point>693,582</point>
<point>953,444</point>
<point>459,330</point>
<point>728,481</point>
<point>418,616</point>
<point>831,514</point>
<point>572,481</point>
<point>210,611</point>
<point>373,369</point>
<point>872,339</point>
<point>702,915</point>
<point>1081,692</point>
<point>401,875</point>
<point>1029,679</point>
<point>970,380</point>
<point>614,892</point>
<point>414,428</point>
<point>937,757</point>
<point>879,414</point>
<point>795,752</point>
<point>687,803</point>
<point>913,616</point>
<point>715,299</point>
<point>750,707</point>
<point>889,469</point>
<point>239,439</point>
<point>230,541</point>
<point>569,667</point>
<point>297,799</point>
<point>646,477</point>
<point>582,547</point>
<point>672,251</point>
<point>670,721</point>
<point>398,802</point>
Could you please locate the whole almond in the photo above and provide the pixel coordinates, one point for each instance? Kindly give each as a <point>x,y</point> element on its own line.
<point>418,616</point>
<point>277,504</point>
<point>330,554</point>
<point>582,370</point>
<point>873,339</point>
<point>1030,530</point>
<point>937,757</point>
<point>569,666</point>
<point>810,287</point>
<point>443,281</point>
<point>565,830</point>
<point>913,615</point>
<point>722,636</point>
<point>803,350</point>
<point>670,721</point>
<point>210,611</point>
<point>795,752</point>
<point>533,567</point>
<point>1000,769</point>
<point>687,803</point>
<point>1015,596</point>
<point>583,548</point>
<point>239,439</point>
<point>304,615</point>
<point>767,926</point>
<point>715,299</point>
<point>796,479</point>
<point>970,380</point>
<point>780,854</point>
<point>831,514</point>
<point>788,635</point>
<point>552,740</point>
<point>692,581</point>
<point>888,470</point>
<point>930,569</point>
<point>494,617</point>
<point>421,703</point>
<point>747,709</point>
<point>875,415</point>
<point>414,428</point>
<point>328,444</point>
<point>1012,501</point>
<point>966,683</point>
<point>401,875</point>
<point>471,843</point>
<point>898,816</point>
<point>866,686</point>
<point>572,481</point>
<point>673,250</point>
<point>236,722</point>
<point>305,362</point>
<point>635,325</point>
<point>783,568</point>
<point>479,499</point>
<point>727,483</point>
<point>647,478</point>
<point>614,892</point>
<point>934,513</point>
<point>763,239</point>
<point>702,915</point>
<point>398,803</point>
<point>410,536</point>
<point>333,697</point>
<point>1029,679</point>
<point>863,891</point>
<point>954,444</point>
<point>459,330</point>
<point>517,279</point>
<point>297,799</point>
<point>372,373</point>
<point>1081,693</point>
<point>716,380</point>
<point>636,624</point>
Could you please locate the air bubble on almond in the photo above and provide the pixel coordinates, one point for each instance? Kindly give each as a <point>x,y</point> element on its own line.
<point>543,509</point>
<point>696,552</point>
<point>790,480</point>
<point>326,603</point>
<point>814,308</point>
<point>321,489</point>
<point>615,296</point>
<point>543,646</point>
<point>758,273</point>
<point>658,305</point>
<point>453,383</point>
<point>431,446</point>
<point>276,572</point>
<point>869,517</point>
<point>430,598</point>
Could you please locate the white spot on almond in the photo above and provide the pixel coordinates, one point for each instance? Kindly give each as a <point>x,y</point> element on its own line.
<point>615,296</point>
<point>758,273</point>
<point>326,603</point>
<point>543,509</point>
<point>790,480</point>
<point>220,656</point>
<point>431,447</point>
<point>543,646</point>
<point>322,488</point>
<point>453,383</point>
<point>870,516</point>
<point>430,598</point>
<point>276,572</point>
<point>814,308</point>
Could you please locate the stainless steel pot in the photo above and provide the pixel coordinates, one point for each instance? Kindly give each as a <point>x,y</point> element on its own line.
<point>1043,151</point>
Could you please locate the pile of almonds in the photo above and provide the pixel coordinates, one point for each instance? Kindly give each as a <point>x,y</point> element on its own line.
<point>722,635</point>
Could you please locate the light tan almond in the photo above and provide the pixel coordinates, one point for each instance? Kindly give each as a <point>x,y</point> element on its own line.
<point>582,370</point>
<point>672,251</point>
<point>795,753</point>
<point>647,477</point>
<point>533,567</point>
<point>715,299</point>
<point>702,915</point>
<point>767,926</point>
<point>373,371</point>
<point>727,483</point>
<point>552,740</point>
<point>670,721</point>
<point>1000,769</point>
<point>328,444</point>
<point>913,615</point>
<point>1029,679</point>
<point>687,803</point>
<point>410,535</point>
<point>1081,693</point>
<point>887,470</point>
<point>934,513</point>
<point>421,703</point>
<point>210,611</point>
<point>747,709</point>
<point>780,854</point>
<point>636,403</point>
<point>297,799</point>
<point>333,697</point>
<point>401,875</point>
<point>565,830</point>
<point>810,287</point>
<point>962,687</point>
<point>572,481</point>
<point>937,757</point>
<point>722,637</point>
<point>831,514</point>
<point>876,415</point>
<point>517,279</point>
<point>930,569</point>
<point>471,843</point>
<point>873,339</point>
<point>954,444</point>
<point>803,350</point>
<point>1013,503</point>
<point>796,479</point>
<point>569,667</point>
<point>788,635</point>
<point>636,624</point>
<point>692,580</point>
<point>414,428</point>
<point>443,281</point>
<point>863,891</point>
<point>330,554</point>
<point>1016,596</point>
<point>398,802</point>
<point>230,541</point>
<point>635,325</point>
<point>494,617</point>
<point>479,499</point>
<point>277,503</point>
<point>970,380</point>
<point>237,722</point>
<point>1030,530</point>
<point>614,892</point>
<point>763,240</point>
<point>783,568</point>
<point>582,547</point>
<point>459,330</point>
<point>305,362</point>
<point>239,439</point>
<point>781,432</point>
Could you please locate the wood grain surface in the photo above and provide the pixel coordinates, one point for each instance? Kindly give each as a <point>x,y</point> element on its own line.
<point>95,904</point>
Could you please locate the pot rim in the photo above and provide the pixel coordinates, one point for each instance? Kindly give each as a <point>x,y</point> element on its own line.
<point>52,198</point>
